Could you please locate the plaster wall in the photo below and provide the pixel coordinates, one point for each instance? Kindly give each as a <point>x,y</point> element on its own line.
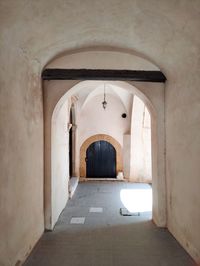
<point>127,155</point>
<point>163,31</point>
<point>95,120</point>
<point>182,158</point>
<point>21,164</point>
<point>146,140</point>
<point>56,120</point>
<point>141,163</point>
<point>59,160</point>
<point>155,92</point>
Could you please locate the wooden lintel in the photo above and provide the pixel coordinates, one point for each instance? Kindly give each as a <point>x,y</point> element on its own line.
<point>103,74</point>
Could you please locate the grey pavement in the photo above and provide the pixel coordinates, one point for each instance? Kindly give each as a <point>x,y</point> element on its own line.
<point>106,238</point>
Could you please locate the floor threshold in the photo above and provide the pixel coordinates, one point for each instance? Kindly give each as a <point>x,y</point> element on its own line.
<point>101,179</point>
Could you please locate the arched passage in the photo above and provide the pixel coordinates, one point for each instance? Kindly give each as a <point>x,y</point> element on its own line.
<point>59,129</point>
<point>59,101</point>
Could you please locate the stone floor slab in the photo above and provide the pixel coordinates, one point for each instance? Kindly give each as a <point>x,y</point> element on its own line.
<point>77,220</point>
<point>96,209</point>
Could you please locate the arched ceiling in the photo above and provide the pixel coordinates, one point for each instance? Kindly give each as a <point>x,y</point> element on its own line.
<point>105,57</point>
<point>84,95</point>
<point>83,92</point>
<point>159,30</point>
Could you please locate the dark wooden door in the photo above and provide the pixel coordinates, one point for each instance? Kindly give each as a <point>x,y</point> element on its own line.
<point>101,160</point>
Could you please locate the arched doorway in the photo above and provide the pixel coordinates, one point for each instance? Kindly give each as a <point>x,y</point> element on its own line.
<point>96,138</point>
<point>151,94</point>
<point>101,160</point>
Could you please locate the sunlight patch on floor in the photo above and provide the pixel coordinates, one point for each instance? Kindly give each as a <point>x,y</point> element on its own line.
<point>137,200</point>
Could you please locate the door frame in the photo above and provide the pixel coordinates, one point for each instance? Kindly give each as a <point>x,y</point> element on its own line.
<point>112,165</point>
<point>97,137</point>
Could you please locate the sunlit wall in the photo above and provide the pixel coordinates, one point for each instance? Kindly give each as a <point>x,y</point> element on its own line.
<point>141,163</point>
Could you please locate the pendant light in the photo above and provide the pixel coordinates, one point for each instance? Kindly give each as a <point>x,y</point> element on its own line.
<point>104,103</point>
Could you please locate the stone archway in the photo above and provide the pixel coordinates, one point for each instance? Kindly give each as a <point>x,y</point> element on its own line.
<point>56,100</point>
<point>86,144</point>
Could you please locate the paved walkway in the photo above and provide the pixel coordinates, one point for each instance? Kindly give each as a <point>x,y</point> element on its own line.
<point>92,232</point>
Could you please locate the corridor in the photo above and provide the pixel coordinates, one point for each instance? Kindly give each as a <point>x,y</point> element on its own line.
<point>105,237</point>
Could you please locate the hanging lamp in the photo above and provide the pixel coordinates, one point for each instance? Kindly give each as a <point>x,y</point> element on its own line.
<point>104,103</point>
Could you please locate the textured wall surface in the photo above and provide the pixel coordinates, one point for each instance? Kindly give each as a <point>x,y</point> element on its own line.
<point>163,31</point>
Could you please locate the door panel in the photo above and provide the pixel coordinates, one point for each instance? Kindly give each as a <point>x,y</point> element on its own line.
<point>101,160</point>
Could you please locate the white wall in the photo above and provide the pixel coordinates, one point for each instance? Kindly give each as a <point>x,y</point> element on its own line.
<point>59,161</point>
<point>56,118</point>
<point>146,140</point>
<point>95,120</point>
<point>127,158</point>
<point>141,161</point>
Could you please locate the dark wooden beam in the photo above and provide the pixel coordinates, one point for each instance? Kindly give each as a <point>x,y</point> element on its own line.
<point>103,74</point>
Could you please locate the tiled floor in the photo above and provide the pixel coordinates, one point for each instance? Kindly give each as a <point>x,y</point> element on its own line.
<point>106,238</point>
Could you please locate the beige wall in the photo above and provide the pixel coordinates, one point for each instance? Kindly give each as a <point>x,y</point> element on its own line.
<point>95,120</point>
<point>59,160</point>
<point>56,118</point>
<point>21,165</point>
<point>165,32</point>
<point>127,155</point>
<point>182,157</point>
<point>141,161</point>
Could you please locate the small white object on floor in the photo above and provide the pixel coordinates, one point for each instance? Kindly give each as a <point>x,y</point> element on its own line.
<point>96,209</point>
<point>120,176</point>
<point>77,220</point>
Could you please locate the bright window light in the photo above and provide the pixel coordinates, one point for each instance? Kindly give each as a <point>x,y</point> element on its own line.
<point>137,200</point>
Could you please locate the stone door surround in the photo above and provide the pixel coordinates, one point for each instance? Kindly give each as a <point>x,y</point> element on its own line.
<point>86,144</point>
